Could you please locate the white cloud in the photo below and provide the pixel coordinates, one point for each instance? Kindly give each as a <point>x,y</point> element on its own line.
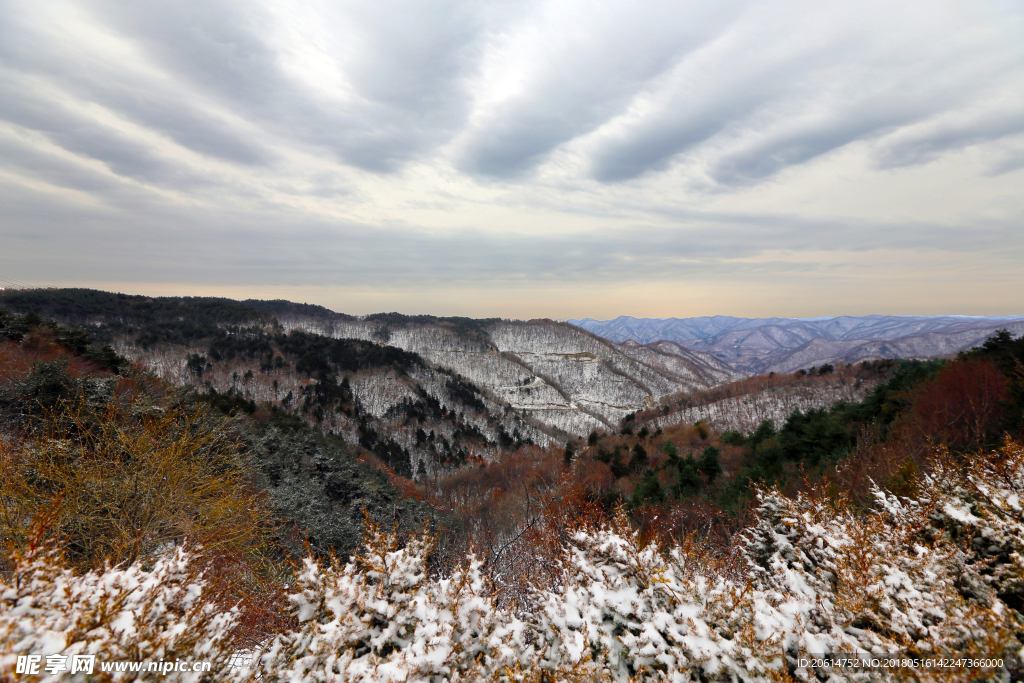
<point>419,144</point>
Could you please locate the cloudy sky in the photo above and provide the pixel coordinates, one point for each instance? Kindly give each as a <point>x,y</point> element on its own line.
<point>555,158</point>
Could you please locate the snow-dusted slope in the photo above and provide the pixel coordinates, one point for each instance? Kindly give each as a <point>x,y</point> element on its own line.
<point>553,372</point>
<point>680,363</point>
<point>774,403</point>
<point>420,412</point>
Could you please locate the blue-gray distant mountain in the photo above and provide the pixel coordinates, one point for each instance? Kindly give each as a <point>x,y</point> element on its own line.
<point>755,345</point>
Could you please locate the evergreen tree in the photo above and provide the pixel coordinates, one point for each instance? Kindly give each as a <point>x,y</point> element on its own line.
<point>639,459</point>
<point>709,464</point>
<point>649,490</point>
<point>670,450</point>
<point>689,481</point>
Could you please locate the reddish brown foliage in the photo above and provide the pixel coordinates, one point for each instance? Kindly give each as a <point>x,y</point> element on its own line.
<point>962,403</point>
<point>256,589</point>
<point>15,361</point>
<point>594,476</point>
<point>406,486</point>
<point>17,358</point>
<point>960,408</point>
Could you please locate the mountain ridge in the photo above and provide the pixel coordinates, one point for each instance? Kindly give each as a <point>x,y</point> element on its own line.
<point>760,345</point>
<point>564,376</point>
<point>567,379</point>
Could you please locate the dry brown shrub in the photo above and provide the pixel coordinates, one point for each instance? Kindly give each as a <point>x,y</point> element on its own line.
<point>134,480</point>
<point>256,586</point>
<point>514,514</point>
<point>129,481</point>
<point>534,559</point>
<point>895,463</point>
<point>18,358</point>
<point>593,476</point>
<point>488,507</point>
<point>16,361</point>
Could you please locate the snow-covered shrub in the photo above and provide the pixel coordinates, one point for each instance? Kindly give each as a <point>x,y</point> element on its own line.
<point>881,583</point>
<point>381,618</point>
<point>116,614</point>
<point>823,580</point>
<point>907,578</point>
<point>629,612</point>
<point>979,502</point>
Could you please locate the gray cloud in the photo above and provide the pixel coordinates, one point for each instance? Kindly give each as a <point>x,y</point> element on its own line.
<point>407,76</point>
<point>155,242</point>
<point>920,147</point>
<point>24,159</point>
<point>1012,161</point>
<point>693,116</point>
<point>410,69</point>
<point>589,77</point>
<point>749,118</point>
<point>153,105</point>
<point>776,152</point>
<point>79,135</point>
<point>211,154</point>
<point>213,45</point>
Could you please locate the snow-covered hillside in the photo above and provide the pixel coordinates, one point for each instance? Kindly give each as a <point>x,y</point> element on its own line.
<point>425,412</point>
<point>555,373</point>
<point>774,403</point>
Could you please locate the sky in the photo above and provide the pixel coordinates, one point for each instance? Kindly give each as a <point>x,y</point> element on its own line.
<point>538,158</point>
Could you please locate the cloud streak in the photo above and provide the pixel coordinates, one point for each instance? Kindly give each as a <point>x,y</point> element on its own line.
<point>450,141</point>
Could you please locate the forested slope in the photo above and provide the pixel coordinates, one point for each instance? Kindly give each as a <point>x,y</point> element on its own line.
<point>57,386</point>
<point>419,419</point>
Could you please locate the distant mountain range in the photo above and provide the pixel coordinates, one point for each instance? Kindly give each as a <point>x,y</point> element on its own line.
<point>531,382</point>
<point>522,381</point>
<point>759,345</point>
